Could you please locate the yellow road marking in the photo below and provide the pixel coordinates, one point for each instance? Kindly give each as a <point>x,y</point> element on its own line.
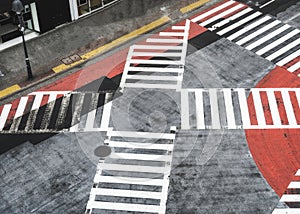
<point>193,6</point>
<point>63,67</point>
<point>115,43</point>
<point>9,90</point>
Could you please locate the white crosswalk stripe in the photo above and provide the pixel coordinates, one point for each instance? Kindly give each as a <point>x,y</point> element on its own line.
<point>290,199</point>
<point>262,34</point>
<point>229,108</point>
<point>140,159</point>
<point>165,61</point>
<point>56,111</point>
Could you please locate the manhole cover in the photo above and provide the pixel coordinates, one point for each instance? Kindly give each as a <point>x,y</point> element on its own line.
<point>102,151</point>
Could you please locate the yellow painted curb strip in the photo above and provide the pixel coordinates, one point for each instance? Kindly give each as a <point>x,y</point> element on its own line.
<point>193,6</point>
<point>9,90</point>
<point>115,43</point>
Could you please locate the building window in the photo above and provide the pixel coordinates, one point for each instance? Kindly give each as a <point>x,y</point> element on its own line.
<point>8,29</point>
<point>88,6</point>
<point>9,23</point>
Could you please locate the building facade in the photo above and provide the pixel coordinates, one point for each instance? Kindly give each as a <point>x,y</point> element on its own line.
<point>41,16</point>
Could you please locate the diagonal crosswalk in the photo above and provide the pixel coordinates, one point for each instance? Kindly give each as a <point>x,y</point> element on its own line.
<point>160,62</point>
<point>263,34</point>
<point>229,108</point>
<point>290,200</point>
<point>135,176</point>
<point>55,111</point>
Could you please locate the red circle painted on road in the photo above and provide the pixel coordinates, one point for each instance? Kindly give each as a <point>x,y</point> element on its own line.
<point>276,151</point>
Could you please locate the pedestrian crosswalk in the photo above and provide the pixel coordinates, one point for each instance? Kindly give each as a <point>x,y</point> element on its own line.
<point>159,63</point>
<point>135,176</point>
<point>290,200</point>
<point>55,111</point>
<point>263,34</point>
<point>229,108</point>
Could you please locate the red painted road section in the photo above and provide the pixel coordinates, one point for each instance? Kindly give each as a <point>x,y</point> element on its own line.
<point>276,152</point>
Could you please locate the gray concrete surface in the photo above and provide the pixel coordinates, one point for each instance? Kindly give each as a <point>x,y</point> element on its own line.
<point>228,183</point>
<point>37,179</point>
<point>290,16</point>
<point>83,35</point>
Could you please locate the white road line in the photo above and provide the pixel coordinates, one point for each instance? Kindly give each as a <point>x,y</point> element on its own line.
<point>294,185</point>
<point>267,37</point>
<point>258,107</point>
<point>127,180</point>
<point>164,191</point>
<point>288,107</point>
<point>252,127</point>
<point>277,42</point>
<point>178,27</point>
<point>239,23</point>
<point>77,113</point>
<point>129,134</point>
<point>231,18</point>
<point>269,2</point>
<point>214,107</point>
<point>229,108</point>
<point>290,198</point>
<point>127,65</point>
<point>157,86</point>
<point>185,114</point>
<point>288,58</point>
<point>106,115</point>
<point>170,54</point>
<point>284,50</point>
<point>89,126</point>
<point>294,67</point>
<point>135,145</point>
<point>156,47</point>
<point>52,97</point>
<point>244,108</point>
<point>143,157</point>
<point>37,101</point>
<point>146,77</point>
<point>155,69</point>
<point>185,39</point>
<point>49,92</point>
<point>154,40</point>
<point>274,108</point>
<point>21,107</point>
<point>221,15</point>
<point>123,206</point>
<point>293,17</point>
<point>199,109</point>
<point>48,111</point>
<point>208,13</point>
<point>125,193</point>
<point>171,34</point>
<point>133,168</point>
<point>249,27</point>
<point>90,120</point>
<point>4,115</point>
<point>297,173</point>
<point>298,96</point>
<point>258,32</point>
<point>287,211</point>
<point>63,110</point>
<point>155,62</point>
<point>20,112</point>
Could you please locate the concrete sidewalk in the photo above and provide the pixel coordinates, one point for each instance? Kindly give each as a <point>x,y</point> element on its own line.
<point>87,38</point>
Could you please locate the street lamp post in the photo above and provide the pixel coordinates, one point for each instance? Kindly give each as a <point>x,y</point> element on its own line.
<point>18,8</point>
